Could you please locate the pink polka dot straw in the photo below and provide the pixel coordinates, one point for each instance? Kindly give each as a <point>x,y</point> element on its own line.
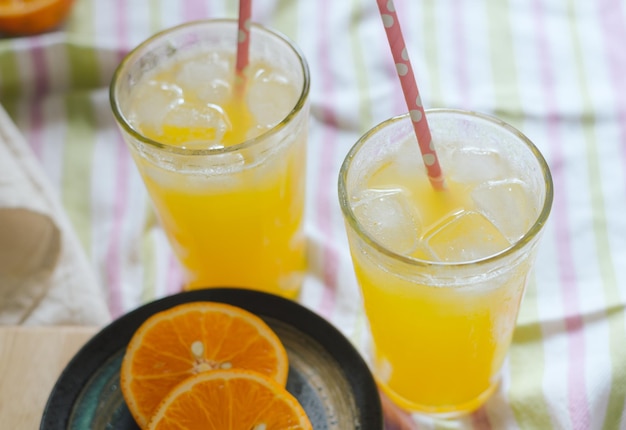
<point>411,92</point>
<point>243,36</point>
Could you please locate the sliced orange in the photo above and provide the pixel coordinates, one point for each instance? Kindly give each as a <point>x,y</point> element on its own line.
<point>230,400</point>
<point>192,338</point>
<point>24,17</point>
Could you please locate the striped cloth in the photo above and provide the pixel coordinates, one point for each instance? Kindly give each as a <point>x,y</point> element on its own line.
<point>556,69</point>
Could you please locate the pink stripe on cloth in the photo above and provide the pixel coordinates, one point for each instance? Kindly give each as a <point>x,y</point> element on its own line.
<point>399,104</point>
<point>195,9</point>
<point>123,39</point>
<point>611,14</point>
<point>480,420</point>
<point>113,259</point>
<point>175,277</point>
<point>42,86</point>
<point>577,390</point>
<point>326,175</point>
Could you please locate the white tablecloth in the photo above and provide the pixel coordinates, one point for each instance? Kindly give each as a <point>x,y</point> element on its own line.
<point>553,68</point>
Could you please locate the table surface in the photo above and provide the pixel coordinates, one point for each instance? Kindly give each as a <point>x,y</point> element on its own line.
<point>554,69</point>
<point>31,360</point>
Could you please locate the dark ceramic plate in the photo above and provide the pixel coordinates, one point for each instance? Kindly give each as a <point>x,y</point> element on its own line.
<point>326,373</point>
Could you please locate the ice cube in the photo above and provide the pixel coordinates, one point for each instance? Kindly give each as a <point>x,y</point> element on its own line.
<point>270,97</point>
<point>507,204</point>
<point>151,102</point>
<point>208,78</point>
<point>390,218</point>
<point>473,165</point>
<point>466,236</point>
<point>405,166</point>
<point>189,122</point>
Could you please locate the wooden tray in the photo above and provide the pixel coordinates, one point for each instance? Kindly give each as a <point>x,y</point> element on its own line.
<point>31,360</point>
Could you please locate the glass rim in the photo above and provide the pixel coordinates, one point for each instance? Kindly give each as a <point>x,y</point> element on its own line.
<point>122,120</point>
<point>530,234</point>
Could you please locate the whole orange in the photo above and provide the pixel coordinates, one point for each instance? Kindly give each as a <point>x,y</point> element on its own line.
<point>27,17</point>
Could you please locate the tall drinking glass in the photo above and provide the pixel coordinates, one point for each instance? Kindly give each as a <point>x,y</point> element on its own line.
<point>223,158</point>
<point>442,273</point>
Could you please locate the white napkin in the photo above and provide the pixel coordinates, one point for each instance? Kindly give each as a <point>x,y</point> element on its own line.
<point>45,278</point>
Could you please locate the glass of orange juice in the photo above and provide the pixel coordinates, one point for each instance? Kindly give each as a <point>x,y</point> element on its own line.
<point>442,273</point>
<point>223,156</point>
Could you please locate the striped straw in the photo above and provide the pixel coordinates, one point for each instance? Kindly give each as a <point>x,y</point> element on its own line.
<point>243,37</point>
<point>411,92</point>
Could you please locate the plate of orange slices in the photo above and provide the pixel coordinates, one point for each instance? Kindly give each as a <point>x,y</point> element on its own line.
<point>219,358</point>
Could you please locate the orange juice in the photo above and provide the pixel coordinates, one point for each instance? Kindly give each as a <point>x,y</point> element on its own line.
<point>223,158</point>
<point>433,337</point>
<point>442,273</point>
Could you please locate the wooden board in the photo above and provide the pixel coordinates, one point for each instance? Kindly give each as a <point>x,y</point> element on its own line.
<point>31,360</point>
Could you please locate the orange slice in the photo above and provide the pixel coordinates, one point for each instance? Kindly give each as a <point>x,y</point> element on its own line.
<point>230,400</point>
<point>192,338</point>
<point>24,17</point>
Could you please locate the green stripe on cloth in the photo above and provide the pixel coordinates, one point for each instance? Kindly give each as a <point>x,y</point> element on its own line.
<point>284,20</point>
<point>10,79</point>
<point>84,74</point>
<point>529,407</point>
<point>10,82</point>
<point>77,160</point>
<point>429,31</point>
<point>527,345</point>
<point>149,255</point>
<point>156,18</point>
<point>360,69</point>
<point>615,408</point>
<point>617,330</point>
<point>11,108</point>
<point>506,92</point>
<point>84,67</point>
<point>80,19</point>
<point>282,17</point>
